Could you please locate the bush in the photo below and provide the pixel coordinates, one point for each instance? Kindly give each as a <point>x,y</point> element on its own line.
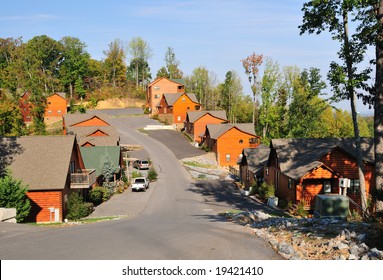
<point>13,194</point>
<point>300,210</point>
<point>152,174</point>
<point>77,209</point>
<point>98,195</point>
<point>265,191</point>
<point>136,174</point>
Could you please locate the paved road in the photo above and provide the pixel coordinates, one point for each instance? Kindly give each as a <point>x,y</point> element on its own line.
<point>176,219</point>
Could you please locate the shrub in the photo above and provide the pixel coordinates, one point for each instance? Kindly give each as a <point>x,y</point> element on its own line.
<point>265,191</point>
<point>98,195</point>
<point>13,194</point>
<point>300,210</point>
<point>152,174</point>
<point>77,209</point>
<point>136,174</point>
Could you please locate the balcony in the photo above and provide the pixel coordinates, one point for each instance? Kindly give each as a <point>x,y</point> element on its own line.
<point>83,180</point>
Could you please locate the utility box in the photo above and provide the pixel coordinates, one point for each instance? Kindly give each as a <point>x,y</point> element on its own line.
<point>331,206</point>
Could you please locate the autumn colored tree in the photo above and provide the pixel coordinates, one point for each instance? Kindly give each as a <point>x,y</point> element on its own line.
<point>11,120</point>
<point>251,65</point>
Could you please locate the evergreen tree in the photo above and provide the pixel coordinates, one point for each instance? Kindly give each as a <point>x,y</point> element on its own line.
<point>13,194</point>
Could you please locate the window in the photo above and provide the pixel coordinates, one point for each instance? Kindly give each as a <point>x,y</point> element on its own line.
<point>267,171</point>
<point>58,111</point>
<point>156,96</point>
<point>72,167</point>
<point>183,99</point>
<point>197,107</point>
<point>253,140</point>
<point>276,174</point>
<point>49,112</point>
<point>228,157</point>
<point>241,141</point>
<point>156,88</point>
<point>354,186</point>
<point>327,186</point>
<point>179,118</point>
<point>290,183</point>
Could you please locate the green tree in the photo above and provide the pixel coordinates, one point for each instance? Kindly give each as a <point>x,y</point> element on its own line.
<point>199,83</point>
<point>11,120</point>
<point>140,53</point>
<point>269,85</point>
<point>231,92</point>
<point>41,60</point>
<point>107,167</point>
<point>10,63</point>
<point>306,106</point>
<point>13,194</point>
<point>74,65</point>
<point>115,63</point>
<point>172,64</point>
<point>346,78</point>
<point>162,73</point>
<point>77,208</point>
<point>79,88</point>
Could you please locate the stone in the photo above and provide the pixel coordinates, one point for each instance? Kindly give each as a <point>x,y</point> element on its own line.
<point>375,254</point>
<point>361,236</point>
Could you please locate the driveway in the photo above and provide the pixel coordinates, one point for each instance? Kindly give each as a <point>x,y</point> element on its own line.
<point>176,142</point>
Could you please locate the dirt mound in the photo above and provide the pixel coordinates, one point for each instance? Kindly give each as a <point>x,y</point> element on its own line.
<point>115,103</point>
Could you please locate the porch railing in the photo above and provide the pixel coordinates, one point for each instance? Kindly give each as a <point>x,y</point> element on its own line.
<point>84,179</point>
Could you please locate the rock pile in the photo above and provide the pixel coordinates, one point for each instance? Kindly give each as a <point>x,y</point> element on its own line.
<point>314,239</point>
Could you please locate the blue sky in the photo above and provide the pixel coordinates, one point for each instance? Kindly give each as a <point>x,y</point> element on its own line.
<point>215,34</point>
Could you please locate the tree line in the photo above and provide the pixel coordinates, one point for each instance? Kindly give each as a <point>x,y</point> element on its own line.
<point>289,101</point>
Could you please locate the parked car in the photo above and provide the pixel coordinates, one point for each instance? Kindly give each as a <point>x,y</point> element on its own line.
<point>141,164</point>
<point>140,184</point>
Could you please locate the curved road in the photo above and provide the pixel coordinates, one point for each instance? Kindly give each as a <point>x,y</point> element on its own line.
<point>177,222</point>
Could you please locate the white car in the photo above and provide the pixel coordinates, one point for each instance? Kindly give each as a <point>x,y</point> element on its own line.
<point>140,184</point>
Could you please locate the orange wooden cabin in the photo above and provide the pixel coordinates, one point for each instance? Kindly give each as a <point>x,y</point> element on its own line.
<point>300,169</point>
<point>156,89</point>
<point>196,122</point>
<point>229,140</point>
<point>56,107</point>
<point>173,107</point>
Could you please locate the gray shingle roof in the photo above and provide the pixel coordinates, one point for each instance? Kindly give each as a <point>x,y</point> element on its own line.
<point>216,130</point>
<point>193,116</point>
<point>256,158</point>
<point>72,119</point>
<point>99,140</point>
<point>82,135</point>
<point>42,162</point>
<point>171,98</point>
<point>297,157</point>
